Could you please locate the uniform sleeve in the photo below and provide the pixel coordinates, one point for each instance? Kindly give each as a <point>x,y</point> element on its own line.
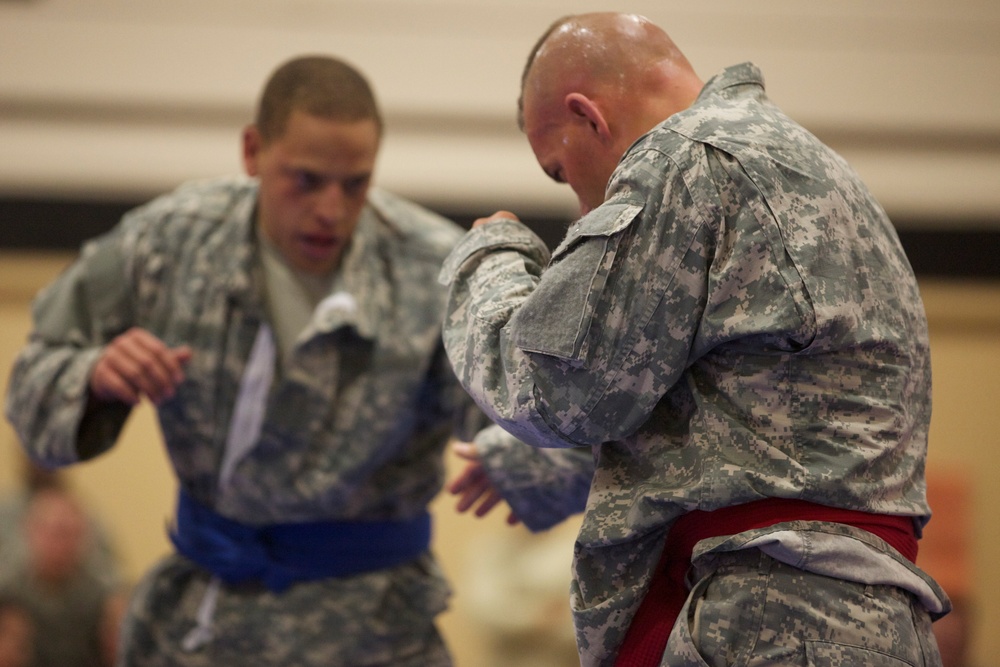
<point>542,486</point>
<point>580,353</point>
<point>48,390</point>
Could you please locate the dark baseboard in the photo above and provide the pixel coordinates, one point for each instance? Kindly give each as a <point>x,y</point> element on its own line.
<point>948,249</point>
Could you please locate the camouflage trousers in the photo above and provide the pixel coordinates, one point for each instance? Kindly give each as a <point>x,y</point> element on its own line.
<point>751,610</point>
<point>332,623</point>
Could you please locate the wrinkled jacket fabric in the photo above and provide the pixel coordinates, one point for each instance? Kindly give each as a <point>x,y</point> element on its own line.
<point>354,426</point>
<point>737,321</point>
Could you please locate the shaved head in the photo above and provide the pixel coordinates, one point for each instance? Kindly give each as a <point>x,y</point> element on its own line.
<point>593,84</point>
<point>602,50</point>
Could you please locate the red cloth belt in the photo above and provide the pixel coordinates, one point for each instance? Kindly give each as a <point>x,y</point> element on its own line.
<point>647,635</point>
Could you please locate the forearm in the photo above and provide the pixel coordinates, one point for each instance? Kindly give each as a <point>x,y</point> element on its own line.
<point>492,272</point>
<point>563,359</point>
<point>48,405</point>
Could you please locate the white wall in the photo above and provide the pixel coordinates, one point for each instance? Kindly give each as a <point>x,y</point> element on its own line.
<point>124,98</point>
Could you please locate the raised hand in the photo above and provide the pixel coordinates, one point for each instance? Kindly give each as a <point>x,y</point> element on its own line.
<point>137,364</point>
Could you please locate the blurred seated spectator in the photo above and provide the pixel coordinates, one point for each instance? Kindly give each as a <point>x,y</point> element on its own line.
<point>76,614</point>
<point>17,635</point>
<point>100,558</point>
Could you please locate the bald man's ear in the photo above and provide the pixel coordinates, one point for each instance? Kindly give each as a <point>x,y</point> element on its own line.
<point>583,108</point>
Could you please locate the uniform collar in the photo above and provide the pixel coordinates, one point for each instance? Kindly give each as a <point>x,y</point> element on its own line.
<point>360,297</point>
<point>736,75</point>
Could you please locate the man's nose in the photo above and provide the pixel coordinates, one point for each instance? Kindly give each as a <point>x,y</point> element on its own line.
<point>331,203</point>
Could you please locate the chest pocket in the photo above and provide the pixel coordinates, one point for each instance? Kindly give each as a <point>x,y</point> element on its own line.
<point>557,316</point>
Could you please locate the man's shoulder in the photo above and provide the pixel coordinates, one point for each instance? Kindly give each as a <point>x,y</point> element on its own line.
<point>733,113</point>
<point>198,208</point>
<point>204,199</point>
<point>419,228</point>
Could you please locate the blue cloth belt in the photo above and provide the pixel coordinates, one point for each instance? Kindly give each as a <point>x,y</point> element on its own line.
<point>281,554</point>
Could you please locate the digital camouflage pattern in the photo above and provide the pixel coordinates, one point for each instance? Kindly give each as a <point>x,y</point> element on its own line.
<point>354,429</point>
<point>747,608</point>
<point>737,321</point>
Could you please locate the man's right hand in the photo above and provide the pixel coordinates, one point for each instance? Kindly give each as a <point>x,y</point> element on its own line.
<point>137,364</point>
<point>499,215</point>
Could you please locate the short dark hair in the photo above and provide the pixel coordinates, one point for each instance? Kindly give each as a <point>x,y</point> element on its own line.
<point>318,85</point>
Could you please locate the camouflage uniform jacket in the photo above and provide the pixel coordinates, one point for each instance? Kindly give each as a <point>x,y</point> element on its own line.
<point>354,427</point>
<point>737,321</point>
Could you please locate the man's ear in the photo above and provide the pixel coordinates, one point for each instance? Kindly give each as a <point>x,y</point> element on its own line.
<point>252,144</point>
<point>584,108</point>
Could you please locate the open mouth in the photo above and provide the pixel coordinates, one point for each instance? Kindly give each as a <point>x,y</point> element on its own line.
<point>318,242</point>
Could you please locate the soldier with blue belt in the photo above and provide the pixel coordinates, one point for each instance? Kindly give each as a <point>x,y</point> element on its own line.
<point>287,326</point>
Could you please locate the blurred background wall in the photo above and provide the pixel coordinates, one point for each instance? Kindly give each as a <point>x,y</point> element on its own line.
<point>105,103</point>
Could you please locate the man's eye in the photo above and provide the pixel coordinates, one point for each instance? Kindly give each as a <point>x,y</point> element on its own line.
<point>306,181</point>
<point>353,186</point>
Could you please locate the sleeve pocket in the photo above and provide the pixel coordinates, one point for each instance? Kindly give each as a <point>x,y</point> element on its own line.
<point>557,316</point>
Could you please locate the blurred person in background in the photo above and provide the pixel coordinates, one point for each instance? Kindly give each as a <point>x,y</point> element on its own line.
<point>100,558</point>
<point>17,634</point>
<point>75,614</point>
